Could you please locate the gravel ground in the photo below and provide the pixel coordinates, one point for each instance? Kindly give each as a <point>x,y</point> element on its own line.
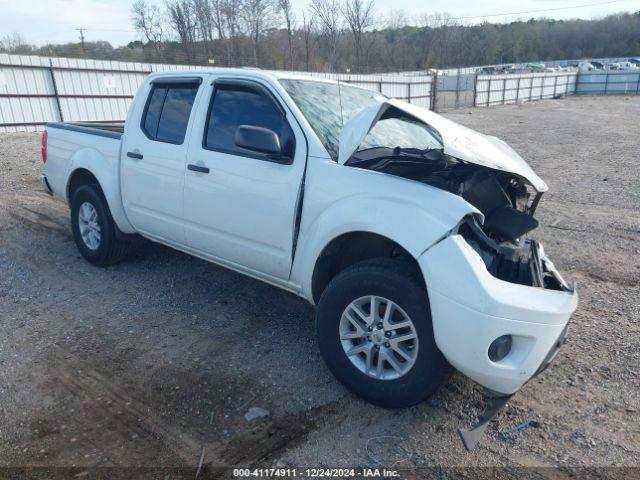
<point>154,361</point>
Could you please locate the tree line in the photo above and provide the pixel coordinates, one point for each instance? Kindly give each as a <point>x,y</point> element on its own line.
<point>339,36</point>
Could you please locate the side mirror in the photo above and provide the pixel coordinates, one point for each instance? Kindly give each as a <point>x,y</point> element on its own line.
<point>258,139</point>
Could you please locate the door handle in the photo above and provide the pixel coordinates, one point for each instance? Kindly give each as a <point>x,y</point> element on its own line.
<point>197,168</point>
<point>137,156</point>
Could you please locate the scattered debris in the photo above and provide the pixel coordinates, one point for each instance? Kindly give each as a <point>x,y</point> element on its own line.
<point>504,434</point>
<point>200,462</point>
<point>255,412</point>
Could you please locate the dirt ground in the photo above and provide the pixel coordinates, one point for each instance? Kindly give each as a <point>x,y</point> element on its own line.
<point>155,361</point>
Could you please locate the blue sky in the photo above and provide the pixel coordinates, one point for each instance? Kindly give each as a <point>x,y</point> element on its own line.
<point>55,21</point>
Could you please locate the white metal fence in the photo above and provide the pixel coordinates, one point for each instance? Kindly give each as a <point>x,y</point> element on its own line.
<point>36,90</point>
<point>414,88</point>
<point>609,82</point>
<point>514,88</point>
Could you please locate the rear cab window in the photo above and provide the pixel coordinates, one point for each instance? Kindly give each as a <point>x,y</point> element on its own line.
<point>169,105</point>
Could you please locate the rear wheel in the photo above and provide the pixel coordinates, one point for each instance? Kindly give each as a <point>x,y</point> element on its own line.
<point>94,230</point>
<point>375,334</point>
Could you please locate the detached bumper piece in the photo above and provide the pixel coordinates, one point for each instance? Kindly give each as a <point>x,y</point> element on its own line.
<point>498,333</point>
<point>45,185</point>
<point>494,403</point>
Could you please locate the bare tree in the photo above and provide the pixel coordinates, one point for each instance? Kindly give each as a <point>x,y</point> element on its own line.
<point>216,21</point>
<point>392,34</point>
<point>435,41</point>
<point>289,20</point>
<point>204,20</point>
<point>182,19</point>
<point>439,30</point>
<point>231,15</point>
<point>209,15</point>
<point>147,19</point>
<point>217,14</point>
<point>14,43</point>
<point>359,17</point>
<point>258,16</point>
<point>328,16</point>
<point>307,32</point>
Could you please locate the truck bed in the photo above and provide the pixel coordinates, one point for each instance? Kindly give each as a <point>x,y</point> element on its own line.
<point>94,147</point>
<point>109,130</point>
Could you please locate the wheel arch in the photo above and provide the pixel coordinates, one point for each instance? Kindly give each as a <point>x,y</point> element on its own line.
<point>353,247</point>
<point>79,177</point>
<point>89,166</point>
<point>406,225</point>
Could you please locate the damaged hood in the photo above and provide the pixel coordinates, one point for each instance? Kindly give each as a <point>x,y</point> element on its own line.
<point>459,142</point>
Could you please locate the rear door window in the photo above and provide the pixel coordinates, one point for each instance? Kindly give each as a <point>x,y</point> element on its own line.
<point>168,111</point>
<point>154,108</point>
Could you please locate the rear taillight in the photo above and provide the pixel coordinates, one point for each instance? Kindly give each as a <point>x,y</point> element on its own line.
<point>44,146</point>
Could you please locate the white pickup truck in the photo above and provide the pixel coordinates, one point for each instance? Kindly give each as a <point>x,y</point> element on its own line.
<point>407,230</point>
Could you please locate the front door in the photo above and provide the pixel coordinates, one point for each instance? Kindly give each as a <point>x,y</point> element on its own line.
<point>240,205</point>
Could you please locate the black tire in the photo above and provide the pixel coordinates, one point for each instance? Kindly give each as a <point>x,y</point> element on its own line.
<point>392,280</point>
<point>111,249</point>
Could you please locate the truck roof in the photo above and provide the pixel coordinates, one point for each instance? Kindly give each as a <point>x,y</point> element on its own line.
<point>244,72</point>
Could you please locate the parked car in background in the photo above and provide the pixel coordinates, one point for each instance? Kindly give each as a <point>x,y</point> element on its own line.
<point>505,69</point>
<point>487,71</point>
<point>536,67</point>
<point>635,61</point>
<point>627,66</point>
<point>597,65</point>
<point>586,67</point>
<point>408,231</point>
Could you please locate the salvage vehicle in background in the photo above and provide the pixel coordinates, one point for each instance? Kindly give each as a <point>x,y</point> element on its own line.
<point>629,65</point>
<point>408,231</point>
<point>587,67</point>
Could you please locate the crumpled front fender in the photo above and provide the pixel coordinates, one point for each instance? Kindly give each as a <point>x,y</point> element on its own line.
<point>470,309</point>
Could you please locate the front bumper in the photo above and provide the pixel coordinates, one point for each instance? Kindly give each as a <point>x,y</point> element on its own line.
<point>470,309</point>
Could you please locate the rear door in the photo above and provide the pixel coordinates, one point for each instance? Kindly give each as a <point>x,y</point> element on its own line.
<point>154,159</point>
<point>240,206</point>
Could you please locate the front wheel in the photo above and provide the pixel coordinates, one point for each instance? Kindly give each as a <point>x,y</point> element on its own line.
<point>94,230</point>
<point>375,334</point>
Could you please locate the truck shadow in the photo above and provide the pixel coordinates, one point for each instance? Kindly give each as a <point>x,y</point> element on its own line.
<point>155,360</point>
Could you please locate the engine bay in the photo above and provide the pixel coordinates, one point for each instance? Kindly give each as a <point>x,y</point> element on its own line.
<point>505,200</point>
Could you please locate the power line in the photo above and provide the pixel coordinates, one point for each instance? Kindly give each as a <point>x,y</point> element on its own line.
<point>82,30</point>
<point>468,17</point>
<point>538,11</point>
<point>112,30</point>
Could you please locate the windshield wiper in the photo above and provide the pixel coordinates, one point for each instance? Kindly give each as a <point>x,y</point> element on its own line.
<point>388,153</point>
<point>418,152</point>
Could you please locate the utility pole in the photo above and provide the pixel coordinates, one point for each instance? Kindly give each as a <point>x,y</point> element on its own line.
<point>82,30</point>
